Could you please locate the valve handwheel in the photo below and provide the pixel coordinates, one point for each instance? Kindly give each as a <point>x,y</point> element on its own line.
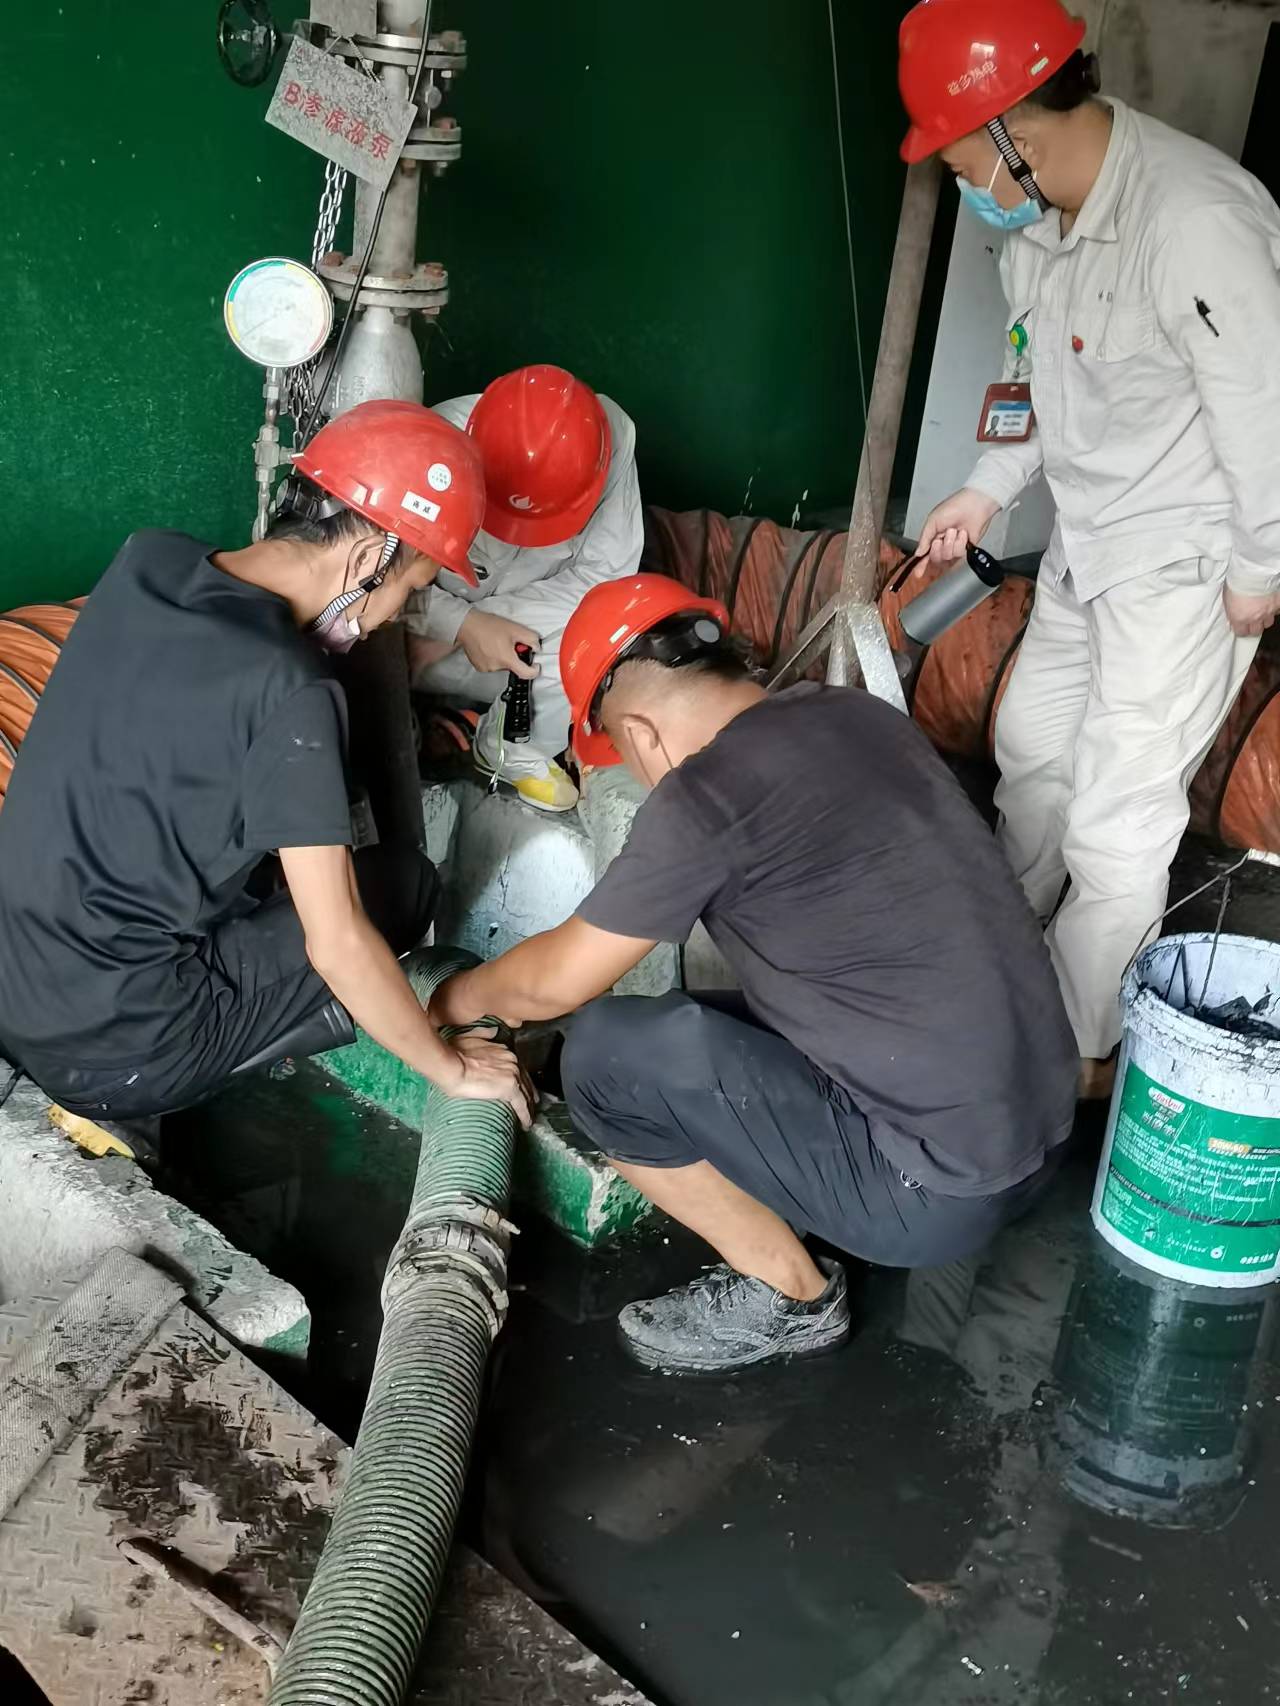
<point>247,41</point>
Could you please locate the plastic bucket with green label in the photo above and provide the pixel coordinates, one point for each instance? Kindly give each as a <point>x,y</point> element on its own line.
<point>1189,1184</point>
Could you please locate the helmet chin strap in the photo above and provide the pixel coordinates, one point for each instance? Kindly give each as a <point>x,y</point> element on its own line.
<point>390,545</point>
<point>362,588</point>
<point>1019,171</point>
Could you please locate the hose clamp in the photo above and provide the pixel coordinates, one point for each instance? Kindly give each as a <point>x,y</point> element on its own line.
<point>462,1238</point>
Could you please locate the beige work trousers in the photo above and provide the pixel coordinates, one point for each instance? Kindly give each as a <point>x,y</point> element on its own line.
<point>1113,705</point>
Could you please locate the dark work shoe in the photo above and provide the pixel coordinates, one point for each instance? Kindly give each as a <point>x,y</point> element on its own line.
<point>724,1321</point>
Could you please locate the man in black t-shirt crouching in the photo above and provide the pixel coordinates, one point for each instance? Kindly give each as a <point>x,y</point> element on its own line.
<point>896,1075</point>
<point>192,727</point>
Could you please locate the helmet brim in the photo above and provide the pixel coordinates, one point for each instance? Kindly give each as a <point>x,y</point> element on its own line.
<point>919,144</point>
<point>593,750</point>
<point>457,564</point>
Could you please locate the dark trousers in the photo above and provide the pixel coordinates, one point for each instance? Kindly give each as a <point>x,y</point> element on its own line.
<point>670,1081</point>
<point>264,991</point>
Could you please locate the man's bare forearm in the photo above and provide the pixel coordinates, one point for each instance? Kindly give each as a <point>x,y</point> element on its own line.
<point>518,987</point>
<point>367,979</point>
<point>547,976</point>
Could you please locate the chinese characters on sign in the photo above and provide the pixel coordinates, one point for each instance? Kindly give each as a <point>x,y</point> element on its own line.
<point>349,118</point>
<point>972,78</point>
<point>337,120</point>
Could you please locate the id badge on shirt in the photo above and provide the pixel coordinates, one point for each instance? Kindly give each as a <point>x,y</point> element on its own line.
<point>1007,415</point>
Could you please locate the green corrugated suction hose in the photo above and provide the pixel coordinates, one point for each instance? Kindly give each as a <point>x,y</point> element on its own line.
<point>360,1631</point>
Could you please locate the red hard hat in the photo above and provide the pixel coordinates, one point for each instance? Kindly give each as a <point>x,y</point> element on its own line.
<point>597,634</point>
<point>545,443</point>
<point>406,470</point>
<point>962,63</point>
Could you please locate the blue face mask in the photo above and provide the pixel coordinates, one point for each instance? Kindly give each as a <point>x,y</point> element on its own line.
<point>989,210</point>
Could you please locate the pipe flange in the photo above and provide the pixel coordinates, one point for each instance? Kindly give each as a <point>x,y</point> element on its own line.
<point>441,141</point>
<point>435,154</point>
<point>426,287</point>
<point>445,52</point>
<point>399,302</point>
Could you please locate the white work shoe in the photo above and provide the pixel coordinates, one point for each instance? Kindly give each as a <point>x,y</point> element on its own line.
<point>539,782</point>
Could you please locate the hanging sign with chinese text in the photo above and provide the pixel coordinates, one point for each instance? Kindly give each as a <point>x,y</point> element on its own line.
<point>349,118</point>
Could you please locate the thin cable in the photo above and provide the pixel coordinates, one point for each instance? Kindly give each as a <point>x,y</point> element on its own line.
<point>502,743</point>
<point>848,215</point>
<point>1213,952</point>
<point>1222,877</point>
<point>353,306</point>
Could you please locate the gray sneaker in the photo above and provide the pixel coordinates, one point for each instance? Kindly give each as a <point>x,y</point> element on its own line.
<point>724,1321</point>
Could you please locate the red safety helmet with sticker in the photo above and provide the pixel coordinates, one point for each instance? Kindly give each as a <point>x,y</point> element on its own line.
<point>962,63</point>
<point>606,628</point>
<point>405,469</point>
<point>545,442</point>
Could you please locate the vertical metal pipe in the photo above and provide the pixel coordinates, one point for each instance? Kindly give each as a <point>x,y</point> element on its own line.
<point>384,753</point>
<point>401,17</point>
<point>394,252</point>
<point>859,643</point>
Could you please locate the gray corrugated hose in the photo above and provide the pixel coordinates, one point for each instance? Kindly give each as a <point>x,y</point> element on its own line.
<point>357,1639</point>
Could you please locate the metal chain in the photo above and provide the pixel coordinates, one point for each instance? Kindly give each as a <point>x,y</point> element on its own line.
<point>331,198</point>
<point>299,385</point>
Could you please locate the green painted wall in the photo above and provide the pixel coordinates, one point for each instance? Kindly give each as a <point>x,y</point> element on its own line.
<point>652,195</point>
<point>648,195</point>
<point>137,178</point>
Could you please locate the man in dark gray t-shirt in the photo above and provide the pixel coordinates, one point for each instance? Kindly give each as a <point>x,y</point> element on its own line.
<point>190,731</point>
<point>897,1073</point>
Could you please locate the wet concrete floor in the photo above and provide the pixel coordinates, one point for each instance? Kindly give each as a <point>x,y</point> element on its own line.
<point>1038,1476</point>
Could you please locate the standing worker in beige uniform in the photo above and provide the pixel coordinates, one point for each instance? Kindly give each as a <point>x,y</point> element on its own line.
<point>562,515</point>
<point>1144,311</point>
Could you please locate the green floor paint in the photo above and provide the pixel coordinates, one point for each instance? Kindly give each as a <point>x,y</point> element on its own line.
<point>380,1078</point>
<point>295,1341</point>
<point>573,1187</point>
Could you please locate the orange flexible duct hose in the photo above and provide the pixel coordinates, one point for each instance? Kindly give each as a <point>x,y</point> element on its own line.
<point>31,638</point>
<point>775,578</point>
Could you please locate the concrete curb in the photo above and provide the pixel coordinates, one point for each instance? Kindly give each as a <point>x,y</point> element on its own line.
<point>62,1210</point>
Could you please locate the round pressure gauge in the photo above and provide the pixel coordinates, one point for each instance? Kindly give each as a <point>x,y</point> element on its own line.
<point>278,312</point>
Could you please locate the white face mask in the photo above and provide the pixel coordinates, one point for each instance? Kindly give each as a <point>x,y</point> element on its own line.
<point>336,633</point>
<point>333,628</point>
